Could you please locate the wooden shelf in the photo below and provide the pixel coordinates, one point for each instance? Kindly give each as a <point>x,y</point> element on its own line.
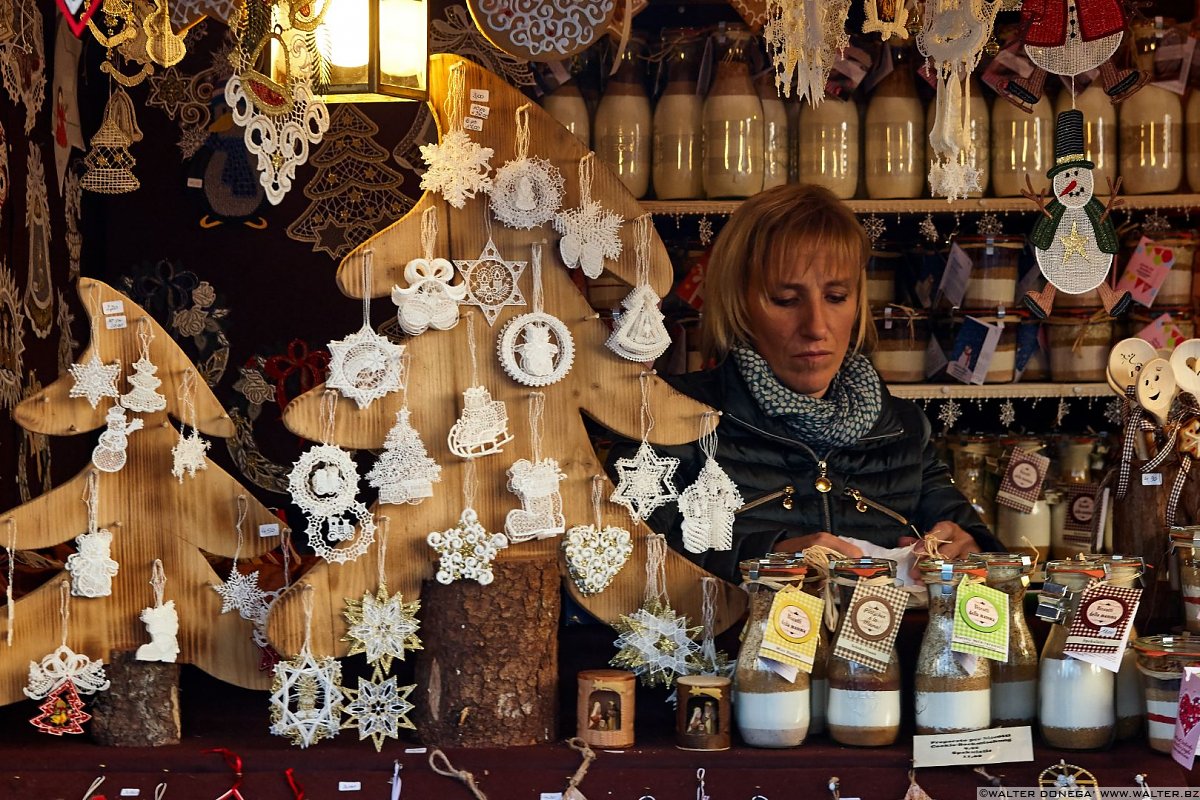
<point>1165,202</point>
<point>946,391</point>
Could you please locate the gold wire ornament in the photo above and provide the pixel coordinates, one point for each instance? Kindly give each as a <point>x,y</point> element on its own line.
<point>163,45</point>
<point>109,164</point>
<point>1069,780</point>
<point>267,95</point>
<point>301,15</point>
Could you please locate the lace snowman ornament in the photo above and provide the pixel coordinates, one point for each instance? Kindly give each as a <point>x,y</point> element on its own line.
<point>647,480</point>
<point>92,567</point>
<point>404,472</point>
<point>708,505</point>
<point>535,482</point>
<point>109,453</point>
<point>639,333</point>
<point>456,166</point>
<point>430,300</point>
<point>144,396</point>
<point>482,427</point>
<point>590,232</point>
<point>536,349</point>
<point>526,192</point>
<point>596,553</point>
<point>364,366</point>
<point>189,455</point>
<point>161,620</point>
<point>467,550</point>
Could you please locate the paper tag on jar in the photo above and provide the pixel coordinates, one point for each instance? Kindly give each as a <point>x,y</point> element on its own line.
<point>1100,628</point>
<point>1146,270</point>
<point>1081,509</point>
<point>1021,485</point>
<point>980,621</point>
<point>974,348</point>
<point>793,629</point>
<point>1187,718</point>
<point>871,623</point>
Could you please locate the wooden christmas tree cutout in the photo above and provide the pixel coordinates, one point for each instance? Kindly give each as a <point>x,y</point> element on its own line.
<point>602,386</point>
<point>151,516</point>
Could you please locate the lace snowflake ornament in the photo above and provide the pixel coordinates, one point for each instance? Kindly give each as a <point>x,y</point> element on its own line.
<point>61,667</point>
<point>595,555</point>
<point>364,366</point>
<point>109,453</point>
<point>949,413</point>
<point>404,472</point>
<point>656,644</point>
<point>95,379</point>
<point>954,177</point>
<point>645,482</point>
<point>457,166</point>
<point>344,536</point>
<point>639,332</point>
<point>241,593</point>
<point>482,427</point>
<point>382,627</point>
<point>430,300</point>
<point>306,699</point>
<point>189,454</point>
<point>590,232</point>
<point>378,708</point>
<point>491,282</point>
<point>92,567</point>
<point>708,507</point>
<point>466,551</point>
<point>540,516</point>
<point>1008,413</point>
<point>323,481</point>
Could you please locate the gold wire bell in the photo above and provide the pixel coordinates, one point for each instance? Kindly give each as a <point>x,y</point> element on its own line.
<point>108,164</point>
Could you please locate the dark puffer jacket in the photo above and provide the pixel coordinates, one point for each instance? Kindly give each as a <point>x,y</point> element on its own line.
<point>893,469</point>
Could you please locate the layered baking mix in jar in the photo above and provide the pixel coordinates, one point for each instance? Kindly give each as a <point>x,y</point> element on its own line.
<point>975,479</point>
<point>1003,366</point>
<point>1079,345</point>
<point>1073,500</point>
<point>1160,662</point>
<point>1126,572</point>
<point>1014,680</point>
<point>1024,533</point>
<point>950,697</point>
<point>818,680</point>
<point>882,268</point>
<point>893,139</point>
<point>902,338</point>
<point>733,121</point>
<point>995,264</point>
<point>827,151</point>
<point>1185,550</point>
<point>679,119</point>
<point>1133,323</point>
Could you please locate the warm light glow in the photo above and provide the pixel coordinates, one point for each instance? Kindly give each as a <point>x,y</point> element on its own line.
<point>347,33</point>
<point>402,38</point>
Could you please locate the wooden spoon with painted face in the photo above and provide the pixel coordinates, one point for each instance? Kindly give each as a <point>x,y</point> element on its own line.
<point>1156,389</point>
<point>1126,360</point>
<point>1185,363</point>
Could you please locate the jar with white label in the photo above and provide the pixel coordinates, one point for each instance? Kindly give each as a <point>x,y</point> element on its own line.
<point>733,121</point>
<point>864,704</point>
<point>1022,144</point>
<point>894,144</point>
<point>567,106</point>
<point>1076,700</point>
<point>622,132</point>
<point>1125,572</point>
<point>953,690</point>
<point>769,709</point>
<point>827,149</point>
<point>1014,680</point>
<point>1099,131</point>
<point>679,120</point>
<point>1185,553</point>
<point>775,131</point>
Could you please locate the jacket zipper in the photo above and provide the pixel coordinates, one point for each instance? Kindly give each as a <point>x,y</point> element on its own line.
<point>786,493</point>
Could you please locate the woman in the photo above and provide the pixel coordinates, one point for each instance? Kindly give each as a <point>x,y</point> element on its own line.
<point>818,447</point>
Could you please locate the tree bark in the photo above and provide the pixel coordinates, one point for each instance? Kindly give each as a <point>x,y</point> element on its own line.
<point>488,673</point>
<point>141,708</point>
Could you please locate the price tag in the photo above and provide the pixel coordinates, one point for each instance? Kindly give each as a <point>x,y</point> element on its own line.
<point>1151,479</point>
<point>195,183</point>
<point>551,796</point>
<point>113,307</point>
<point>980,621</point>
<point>480,111</point>
<point>416,750</point>
<point>480,95</point>
<point>115,323</point>
<point>956,275</point>
<point>1101,625</point>
<point>872,622</point>
<point>268,530</point>
<point>473,123</point>
<point>793,628</point>
<point>131,792</point>
<point>349,786</point>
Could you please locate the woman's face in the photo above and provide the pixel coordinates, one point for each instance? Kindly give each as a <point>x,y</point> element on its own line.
<point>803,324</point>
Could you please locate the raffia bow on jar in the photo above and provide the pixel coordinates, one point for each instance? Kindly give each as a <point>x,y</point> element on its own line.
<point>430,300</point>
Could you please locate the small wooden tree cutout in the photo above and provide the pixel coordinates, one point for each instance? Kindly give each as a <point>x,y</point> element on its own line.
<point>150,514</point>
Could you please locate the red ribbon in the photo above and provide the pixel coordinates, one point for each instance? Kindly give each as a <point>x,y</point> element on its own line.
<point>297,789</point>
<point>235,763</point>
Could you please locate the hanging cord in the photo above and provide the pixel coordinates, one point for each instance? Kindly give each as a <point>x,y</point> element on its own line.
<point>145,336</point>
<point>160,791</point>
<point>708,613</point>
<point>287,557</point>
<point>647,417</point>
<point>439,763</point>
<point>387,525</point>
<point>328,415</point>
<point>597,498</point>
<point>158,581</point>
<point>64,607</point>
<point>589,755</point>
<point>469,483</point>
<point>537,408</point>
<point>8,590</point>
<point>454,97</point>
<point>587,170</point>
<point>536,258</point>
<point>96,784</point>
<point>243,506</point>
<point>429,231</point>
<point>522,120</point>
<point>396,783</point>
<point>90,498</point>
<point>701,791</point>
<point>405,367</point>
<point>708,434</point>
<point>293,784</point>
<point>642,227</point>
<point>307,595</point>
<point>656,570</point>
<point>471,348</point>
<point>367,274</point>
<point>94,311</point>
<point>817,558</point>
<point>234,762</point>
<point>187,399</point>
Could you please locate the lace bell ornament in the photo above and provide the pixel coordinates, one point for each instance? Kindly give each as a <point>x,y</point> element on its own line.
<point>590,232</point>
<point>646,481</point>
<point>456,166</point>
<point>61,677</point>
<point>596,553</point>
<point>535,482</point>
<point>526,192</point>
<point>91,566</point>
<point>430,300</point>
<point>639,333</point>
<point>482,427</point>
<point>365,366</point>
<point>536,349</point>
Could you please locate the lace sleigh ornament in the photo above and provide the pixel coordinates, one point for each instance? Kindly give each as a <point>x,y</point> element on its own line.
<point>456,166</point>
<point>590,232</point>
<point>482,427</point>
<point>536,349</point>
<point>526,192</point>
<point>430,300</point>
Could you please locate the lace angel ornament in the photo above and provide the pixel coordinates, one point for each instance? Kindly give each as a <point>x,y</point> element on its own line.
<point>430,300</point>
<point>456,166</point>
<point>92,567</point>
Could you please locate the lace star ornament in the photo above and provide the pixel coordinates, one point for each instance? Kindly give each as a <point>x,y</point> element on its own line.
<point>364,366</point>
<point>382,627</point>
<point>95,379</point>
<point>378,708</point>
<point>540,516</point>
<point>590,232</point>
<point>430,300</point>
<point>62,712</point>
<point>457,166</point>
<point>306,699</point>
<point>61,667</point>
<point>404,472</point>
<point>482,427</point>
<point>708,507</point>
<point>595,555</point>
<point>467,550</point>
<point>241,593</point>
<point>189,454</point>
<point>491,282</point>
<point>656,644</point>
<point>645,482</point>
<point>92,567</point>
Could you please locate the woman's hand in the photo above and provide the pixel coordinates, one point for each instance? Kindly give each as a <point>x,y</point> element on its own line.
<point>797,543</point>
<point>956,542</point>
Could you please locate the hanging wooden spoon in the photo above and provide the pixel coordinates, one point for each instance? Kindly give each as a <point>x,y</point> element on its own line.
<point>1185,363</point>
<point>1156,389</point>
<point>1126,360</point>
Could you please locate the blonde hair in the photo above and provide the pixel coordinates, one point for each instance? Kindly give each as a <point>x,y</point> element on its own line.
<point>760,240</point>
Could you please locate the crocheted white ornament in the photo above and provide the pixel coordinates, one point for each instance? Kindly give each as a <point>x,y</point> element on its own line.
<point>241,593</point>
<point>92,567</point>
<point>804,38</point>
<point>590,232</point>
<point>540,516</point>
<point>638,332</point>
<point>536,349</point>
<point>431,300</point>
<point>337,539</point>
<point>306,699</point>
<point>189,454</point>
<point>526,192</point>
<point>109,453</point>
<point>94,379</point>
<point>656,644</point>
<point>491,282</point>
<point>144,397</point>
<point>364,366</point>
<point>404,472</point>
<point>382,627</point>
<point>161,621</point>
<point>708,508</point>
<point>61,666</point>
<point>482,427</point>
<point>456,166</point>
<point>595,555</point>
<point>645,482</point>
<point>467,550</point>
<point>378,708</point>
<point>323,481</point>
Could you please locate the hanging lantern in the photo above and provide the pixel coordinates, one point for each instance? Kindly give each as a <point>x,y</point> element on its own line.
<point>109,164</point>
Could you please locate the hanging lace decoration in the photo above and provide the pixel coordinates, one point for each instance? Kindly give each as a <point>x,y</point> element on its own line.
<point>953,35</point>
<point>431,300</point>
<point>535,483</point>
<point>482,427</point>
<point>161,621</point>
<point>23,59</point>
<point>108,165</point>
<point>466,551</point>
<point>378,708</point>
<point>596,553</point>
<point>382,626</point>
<point>804,38</point>
<point>712,661</point>
<point>457,166</point>
<point>91,566</point>
<point>64,665</point>
<point>239,592</point>
<point>536,349</point>
<point>109,453</point>
<point>144,397</point>
<point>281,141</point>
<point>491,282</point>
<point>9,600</point>
<point>190,451</point>
<point>526,192</point>
<point>654,642</point>
<point>328,536</point>
<point>306,696</point>
<point>708,505</point>
<point>590,232</point>
<point>95,379</point>
<point>404,472</point>
<point>645,481</point>
<point>364,366</point>
<point>39,281</point>
<point>62,712</point>
<point>638,332</point>
<point>888,18</point>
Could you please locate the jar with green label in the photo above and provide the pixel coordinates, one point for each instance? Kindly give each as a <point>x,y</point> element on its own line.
<point>1014,680</point>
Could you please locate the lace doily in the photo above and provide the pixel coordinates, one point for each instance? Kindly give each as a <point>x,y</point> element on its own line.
<point>364,366</point>
<point>543,31</point>
<point>804,38</point>
<point>491,282</point>
<point>64,665</point>
<point>466,551</point>
<point>535,483</point>
<point>430,300</point>
<point>144,397</point>
<point>62,712</point>
<point>378,708</point>
<point>109,453</point>
<point>191,449</point>
<point>382,626</point>
<point>108,165</point>
<point>337,538</point>
<point>457,166</point>
<point>482,427</point>
<point>91,567</point>
<point>526,192</point>
<point>39,282</point>
<point>323,481</point>
<point>596,553</point>
<point>708,505</point>
<point>404,472</point>
<point>23,60</point>
<point>94,379</point>
<point>639,333</point>
<point>590,232</point>
<point>645,481</point>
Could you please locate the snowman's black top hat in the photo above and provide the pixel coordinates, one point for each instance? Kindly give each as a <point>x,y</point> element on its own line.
<point>1068,143</point>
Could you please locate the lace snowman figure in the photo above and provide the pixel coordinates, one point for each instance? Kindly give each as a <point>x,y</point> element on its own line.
<point>109,453</point>
<point>92,567</point>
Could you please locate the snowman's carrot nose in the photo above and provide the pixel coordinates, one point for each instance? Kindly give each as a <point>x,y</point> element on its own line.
<point>1070,187</point>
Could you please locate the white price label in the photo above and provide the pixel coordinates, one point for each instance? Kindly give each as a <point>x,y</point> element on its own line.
<point>131,793</point>
<point>195,183</point>
<point>349,786</point>
<point>113,307</point>
<point>480,111</point>
<point>1152,479</point>
<point>115,323</point>
<point>416,750</point>
<point>473,124</point>
<point>480,95</point>
<point>268,530</point>
<point>551,796</point>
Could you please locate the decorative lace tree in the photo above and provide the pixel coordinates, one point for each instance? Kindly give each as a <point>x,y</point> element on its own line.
<point>354,192</point>
<point>404,472</point>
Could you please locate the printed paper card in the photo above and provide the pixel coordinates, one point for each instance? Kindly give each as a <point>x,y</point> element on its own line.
<point>1163,333</point>
<point>1080,500</point>
<point>980,621</point>
<point>870,625</point>
<point>974,347</point>
<point>1146,270</point>
<point>956,276</point>
<point>793,629</point>
<point>1021,485</point>
<point>1187,718</point>
<point>1101,626</point>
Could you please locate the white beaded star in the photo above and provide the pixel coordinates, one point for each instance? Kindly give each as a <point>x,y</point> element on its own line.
<point>492,283</point>
<point>590,232</point>
<point>708,508</point>
<point>364,366</point>
<point>306,699</point>
<point>645,481</point>
<point>404,472</point>
<point>61,666</point>
<point>94,380</point>
<point>378,708</point>
<point>467,550</point>
<point>656,644</point>
<point>382,627</point>
<point>189,454</point>
<point>595,555</point>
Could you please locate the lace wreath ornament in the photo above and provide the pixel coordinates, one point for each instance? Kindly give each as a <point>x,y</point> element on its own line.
<point>431,300</point>
<point>526,192</point>
<point>536,349</point>
<point>365,366</point>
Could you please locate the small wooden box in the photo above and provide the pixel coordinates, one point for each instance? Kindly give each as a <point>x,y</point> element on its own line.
<point>703,716</point>
<point>605,712</point>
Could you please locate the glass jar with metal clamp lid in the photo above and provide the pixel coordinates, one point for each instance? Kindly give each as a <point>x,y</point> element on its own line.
<point>1076,699</point>
<point>1014,680</point>
<point>818,583</point>
<point>864,704</point>
<point>952,689</point>
<point>1161,660</point>
<point>770,710</point>
<point>1125,571</point>
<point>1185,561</point>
